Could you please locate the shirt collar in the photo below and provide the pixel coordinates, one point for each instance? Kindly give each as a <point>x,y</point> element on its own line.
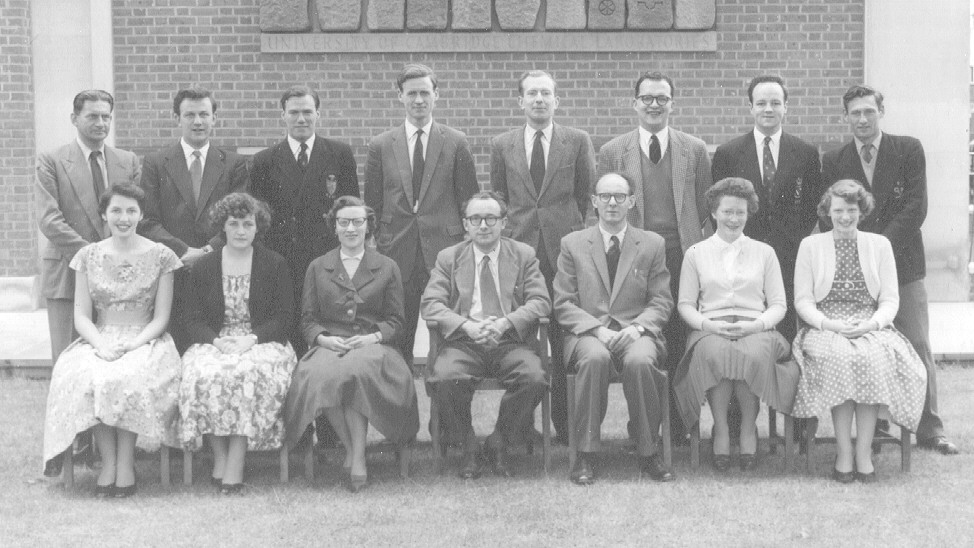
<point>607,236</point>
<point>411,129</point>
<point>530,131</point>
<point>345,256</point>
<point>478,255</point>
<point>296,145</point>
<point>663,135</point>
<point>722,245</point>
<point>875,144</point>
<point>759,138</point>
<point>87,151</point>
<point>188,150</point>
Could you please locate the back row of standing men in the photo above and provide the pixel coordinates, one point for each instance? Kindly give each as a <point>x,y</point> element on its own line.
<point>418,174</point>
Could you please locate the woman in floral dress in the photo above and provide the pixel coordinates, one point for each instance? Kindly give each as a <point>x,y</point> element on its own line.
<point>237,373</point>
<point>121,377</point>
<point>854,363</point>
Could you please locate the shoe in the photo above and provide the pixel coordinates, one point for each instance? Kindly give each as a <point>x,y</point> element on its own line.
<point>583,473</point>
<point>721,462</point>
<point>104,491</point>
<point>748,461</point>
<point>216,482</point>
<point>471,467</point>
<point>653,467</point>
<point>357,484</point>
<point>125,492</point>
<point>866,478</point>
<point>231,488</point>
<point>940,445</point>
<point>498,460</point>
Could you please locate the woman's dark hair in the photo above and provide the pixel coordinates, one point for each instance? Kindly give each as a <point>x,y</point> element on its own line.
<point>852,192</point>
<point>129,190</point>
<point>735,187</point>
<point>351,201</point>
<point>239,205</point>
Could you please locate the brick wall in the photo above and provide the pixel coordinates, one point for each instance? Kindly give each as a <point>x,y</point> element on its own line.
<point>18,251</point>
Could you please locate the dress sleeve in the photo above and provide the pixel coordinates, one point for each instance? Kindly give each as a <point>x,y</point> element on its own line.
<point>79,262</point>
<point>168,261</point>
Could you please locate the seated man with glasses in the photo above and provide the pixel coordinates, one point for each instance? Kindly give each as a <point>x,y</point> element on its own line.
<point>487,294</point>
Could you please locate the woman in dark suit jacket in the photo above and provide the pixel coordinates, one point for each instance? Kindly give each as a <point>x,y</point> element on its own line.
<point>351,315</point>
<point>237,372</point>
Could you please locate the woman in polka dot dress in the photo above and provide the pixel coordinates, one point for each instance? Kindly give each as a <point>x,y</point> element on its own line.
<point>853,361</point>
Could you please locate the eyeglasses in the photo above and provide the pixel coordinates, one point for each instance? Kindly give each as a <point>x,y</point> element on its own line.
<point>619,197</point>
<point>661,100</point>
<point>344,222</point>
<point>476,220</point>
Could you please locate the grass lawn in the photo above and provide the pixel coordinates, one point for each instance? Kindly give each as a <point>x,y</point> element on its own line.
<point>772,506</point>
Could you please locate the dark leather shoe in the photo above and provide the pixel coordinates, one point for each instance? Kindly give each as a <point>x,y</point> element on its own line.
<point>843,477</point>
<point>940,445</point>
<point>471,466</point>
<point>231,488</point>
<point>357,484</point>
<point>499,461</point>
<point>125,492</point>
<point>748,461</point>
<point>722,462</point>
<point>583,473</point>
<point>653,467</point>
<point>866,478</point>
<point>104,491</point>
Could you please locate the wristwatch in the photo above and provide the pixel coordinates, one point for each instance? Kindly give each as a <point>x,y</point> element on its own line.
<point>641,329</point>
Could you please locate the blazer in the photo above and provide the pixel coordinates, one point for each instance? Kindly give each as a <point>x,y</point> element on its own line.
<point>900,189</point>
<point>523,293</point>
<point>172,216</point>
<point>815,272</point>
<point>271,301</point>
<point>370,301</point>
<point>432,223</point>
<point>299,199</point>
<point>641,294</point>
<point>563,202</point>
<point>67,209</point>
<point>789,214</point>
<point>691,178</point>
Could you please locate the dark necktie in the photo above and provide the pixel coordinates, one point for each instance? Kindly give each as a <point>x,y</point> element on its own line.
<point>769,167</point>
<point>96,175</point>
<point>867,153</point>
<point>419,164</point>
<point>654,151</point>
<point>489,301</point>
<point>303,155</point>
<point>196,174</point>
<point>537,162</point>
<point>612,258</point>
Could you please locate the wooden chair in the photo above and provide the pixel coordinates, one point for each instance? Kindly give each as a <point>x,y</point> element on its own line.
<point>67,466</point>
<point>403,456</point>
<point>881,438</point>
<point>774,439</point>
<point>188,465</point>
<point>541,347</point>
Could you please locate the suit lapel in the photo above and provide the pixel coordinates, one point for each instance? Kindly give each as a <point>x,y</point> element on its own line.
<point>508,265</point>
<point>432,155</point>
<point>293,176</point>
<point>850,156</point>
<point>597,251</point>
<point>465,270</point>
<point>364,276</point>
<point>212,173</point>
<point>750,164</point>
<point>626,256</point>
<point>400,146</point>
<point>786,163</point>
<point>883,174</point>
<point>336,272</point>
<point>515,150</point>
<point>679,159</point>
<point>633,166</point>
<point>179,175</point>
<point>79,173</point>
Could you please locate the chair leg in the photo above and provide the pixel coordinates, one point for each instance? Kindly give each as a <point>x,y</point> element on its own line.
<point>187,467</point>
<point>405,456</point>
<point>164,464</point>
<point>67,466</point>
<point>285,461</point>
<point>435,434</point>
<point>810,427</point>
<point>572,442</point>
<point>772,430</point>
<point>695,445</point>
<point>667,443</point>
<point>309,461</point>
<point>906,449</point>
<point>546,429</point>
<point>789,440</point>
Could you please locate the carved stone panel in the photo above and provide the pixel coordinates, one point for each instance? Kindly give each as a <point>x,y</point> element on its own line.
<point>695,14</point>
<point>517,14</point>
<point>284,16</point>
<point>565,15</point>
<point>339,14</point>
<point>471,14</point>
<point>650,14</point>
<point>426,14</point>
<point>606,14</point>
<point>386,14</point>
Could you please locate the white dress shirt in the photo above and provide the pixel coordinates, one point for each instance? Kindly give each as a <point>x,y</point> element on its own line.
<point>646,136</point>
<point>101,162</point>
<point>607,237</point>
<point>529,133</point>
<point>775,147</point>
<point>296,146</point>
<point>189,150</point>
<point>351,262</point>
<point>411,139</point>
<point>869,167</point>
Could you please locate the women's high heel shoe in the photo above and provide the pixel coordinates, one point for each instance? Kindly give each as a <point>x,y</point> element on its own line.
<point>231,488</point>
<point>104,491</point>
<point>722,462</point>
<point>125,492</point>
<point>843,477</point>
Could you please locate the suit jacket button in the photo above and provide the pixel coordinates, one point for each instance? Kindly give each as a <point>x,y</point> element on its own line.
<point>351,313</point>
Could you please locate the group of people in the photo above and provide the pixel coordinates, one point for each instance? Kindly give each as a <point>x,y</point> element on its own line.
<point>179,281</point>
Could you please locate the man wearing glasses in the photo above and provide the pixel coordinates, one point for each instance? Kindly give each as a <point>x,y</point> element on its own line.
<point>669,171</point>
<point>487,295</point>
<point>612,296</point>
<point>894,169</point>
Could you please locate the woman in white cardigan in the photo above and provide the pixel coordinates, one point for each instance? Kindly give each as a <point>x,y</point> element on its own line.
<point>853,361</point>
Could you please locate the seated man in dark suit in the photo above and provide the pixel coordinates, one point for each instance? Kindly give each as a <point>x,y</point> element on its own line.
<point>487,294</point>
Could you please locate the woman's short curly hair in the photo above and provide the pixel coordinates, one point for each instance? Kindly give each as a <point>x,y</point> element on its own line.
<point>735,187</point>
<point>351,201</point>
<point>128,190</point>
<point>852,192</point>
<point>238,205</point>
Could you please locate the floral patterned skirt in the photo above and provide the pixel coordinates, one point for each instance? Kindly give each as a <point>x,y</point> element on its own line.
<point>137,392</point>
<point>235,394</point>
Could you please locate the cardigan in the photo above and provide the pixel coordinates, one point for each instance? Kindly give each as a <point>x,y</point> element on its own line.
<point>815,272</point>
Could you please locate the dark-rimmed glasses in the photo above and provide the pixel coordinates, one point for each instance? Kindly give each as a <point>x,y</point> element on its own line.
<point>344,222</point>
<point>661,100</point>
<point>476,220</point>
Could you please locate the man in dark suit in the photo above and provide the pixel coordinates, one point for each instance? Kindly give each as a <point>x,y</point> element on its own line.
<point>69,181</point>
<point>612,296</point>
<point>894,169</point>
<point>487,295</point>
<point>181,182</point>
<point>300,178</point>
<point>670,171</point>
<point>546,171</point>
<point>416,177</point>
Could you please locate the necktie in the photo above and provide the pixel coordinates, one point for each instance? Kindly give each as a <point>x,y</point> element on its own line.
<point>612,258</point>
<point>537,162</point>
<point>303,155</point>
<point>769,167</point>
<point>489,301</point>
<point>196,173</point>
<point>867,153</point>
<point>419,164</point>
<point>96,175</point>
<point>654,150</point>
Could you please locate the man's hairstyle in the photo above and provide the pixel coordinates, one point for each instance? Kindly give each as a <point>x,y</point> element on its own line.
<point>858,91</point>
<point>129,190</point>
<point>533,74</point>
<point>299,91</point>
<point>765,79</point>
<point>239,205</point>
<point>92,95</point>
<point>595,189</point>
<point>852,192</point>
<point>415,70</point>
<point>193,94</point>
<point>486,195</point>
<point>351,201</point>
<point>735,187</point>
<point>656,77</point>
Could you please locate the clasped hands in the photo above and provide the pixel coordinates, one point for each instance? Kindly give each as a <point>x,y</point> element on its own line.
<point>111,351</point>
<point>850,329</point>
<point>617,341</point>
<point>342,345</point>
<point>486,332</point>
<point>732,330</point>
<point>235,345</point>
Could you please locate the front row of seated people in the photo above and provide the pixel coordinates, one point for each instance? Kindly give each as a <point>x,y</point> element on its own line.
<point>238,386</point>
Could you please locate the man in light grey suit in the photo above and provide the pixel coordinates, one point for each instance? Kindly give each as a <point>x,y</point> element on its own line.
<point>69,181</point>
<point>417,176</point>
<point>546,171</point>
<point>670,171</point>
